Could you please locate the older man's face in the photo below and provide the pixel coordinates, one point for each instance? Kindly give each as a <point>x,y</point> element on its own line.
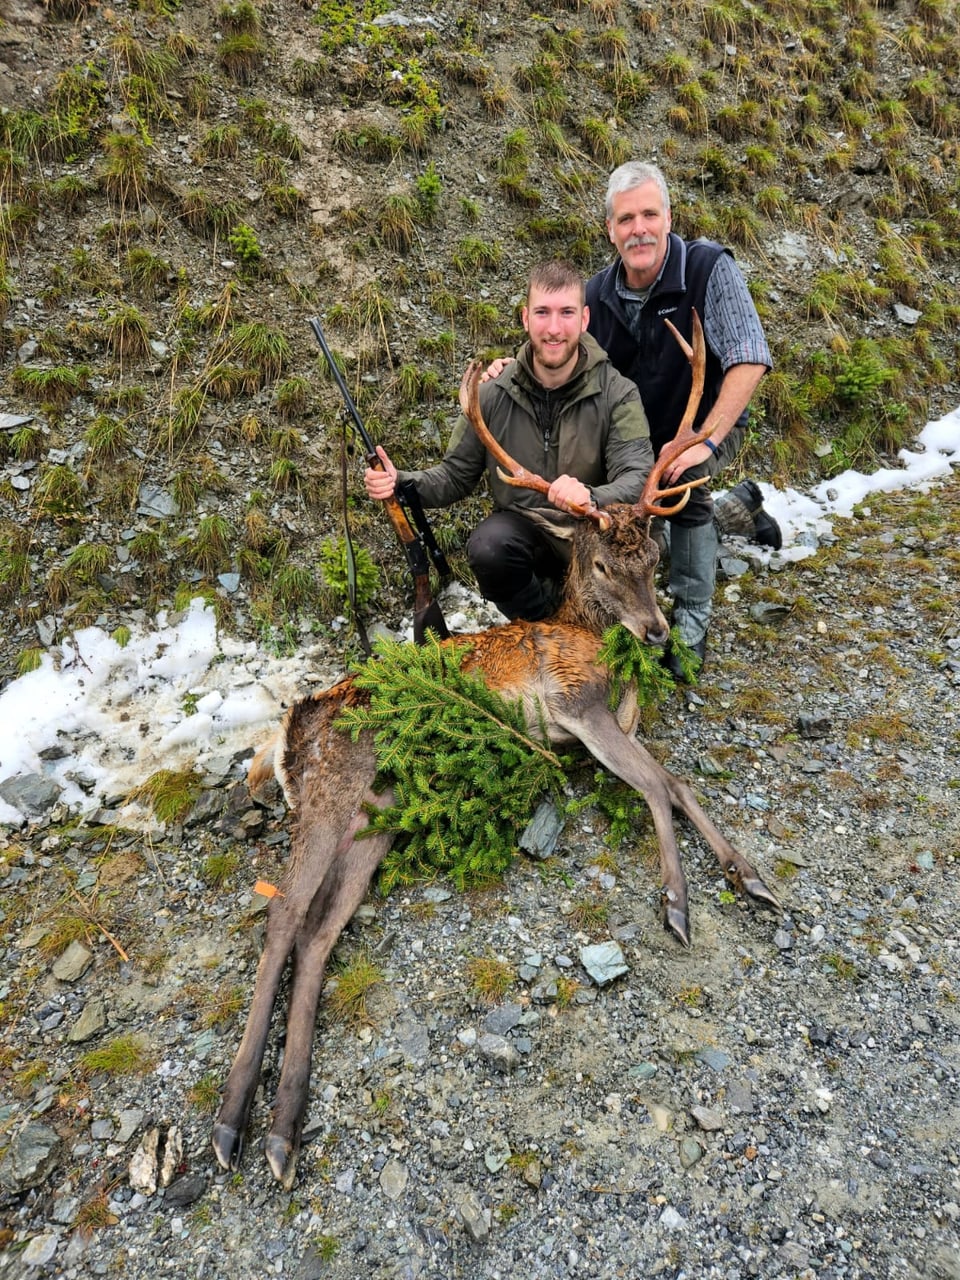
<point>639,228</point>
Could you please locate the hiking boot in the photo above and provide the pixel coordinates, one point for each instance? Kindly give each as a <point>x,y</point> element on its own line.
<point>768,533</point>
<point>672,663</point>
<point>741,512</point>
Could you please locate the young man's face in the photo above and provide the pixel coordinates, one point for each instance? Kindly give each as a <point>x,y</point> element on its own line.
<point>554,322</point>
<point>639,228</point>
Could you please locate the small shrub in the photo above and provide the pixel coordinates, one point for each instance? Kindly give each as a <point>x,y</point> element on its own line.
<point>170,794</point>
<point>124,1056</point>
<point>490,978</point>
<point>243,241</point>
<point>334,571</point>
<point>346,996</point>
<point>241,56</point>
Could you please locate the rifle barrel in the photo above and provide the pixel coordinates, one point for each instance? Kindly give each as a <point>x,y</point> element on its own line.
<point>338,378</point>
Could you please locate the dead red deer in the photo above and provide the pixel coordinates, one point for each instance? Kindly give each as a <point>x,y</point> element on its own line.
<point>327,778</point>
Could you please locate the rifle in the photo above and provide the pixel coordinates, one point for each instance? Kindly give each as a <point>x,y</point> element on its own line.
<point>426,611</point>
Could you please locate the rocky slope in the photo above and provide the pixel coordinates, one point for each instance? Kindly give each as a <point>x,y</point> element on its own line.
<point>782,1099</point>
<point>779,1101</point>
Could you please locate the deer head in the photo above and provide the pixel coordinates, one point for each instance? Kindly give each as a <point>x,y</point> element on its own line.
<point>614,558</point>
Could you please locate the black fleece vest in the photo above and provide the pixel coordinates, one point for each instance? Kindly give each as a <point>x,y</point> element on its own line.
<point>655,362</point>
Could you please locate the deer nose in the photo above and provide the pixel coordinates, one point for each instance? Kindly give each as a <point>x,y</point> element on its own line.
<point>657,635</point>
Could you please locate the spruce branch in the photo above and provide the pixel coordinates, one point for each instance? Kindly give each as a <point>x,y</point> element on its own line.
<point>465,769</point>
<point>630,661</point>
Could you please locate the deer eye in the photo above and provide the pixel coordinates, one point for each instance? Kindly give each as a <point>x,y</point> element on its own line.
<point>600,567</point>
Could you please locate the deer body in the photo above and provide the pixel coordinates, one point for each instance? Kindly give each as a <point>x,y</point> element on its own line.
<point>553,667</point>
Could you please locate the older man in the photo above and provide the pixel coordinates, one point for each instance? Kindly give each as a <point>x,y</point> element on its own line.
<point>563,411</point>
<point>659,275</point>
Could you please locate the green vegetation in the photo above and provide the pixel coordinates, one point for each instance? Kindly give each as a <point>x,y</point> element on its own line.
<point>171,795</point>
<point>340,576</point>
<point>346,995</point>
<point>461,816</point>
<point>126,1055</point>
<point>490,978</point>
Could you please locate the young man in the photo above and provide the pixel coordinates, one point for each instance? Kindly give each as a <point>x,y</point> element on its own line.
<point>561,410</point>
<point>658,275</point>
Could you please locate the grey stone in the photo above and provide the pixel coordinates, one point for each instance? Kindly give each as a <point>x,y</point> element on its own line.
<point>497,1154</point>
<point>540,836</point>
<point>184,1191</point>
<point>715,1059</point>
<point>40,1250</point>
<point>502,1019</point>
<point>92,1019</point>
<point>476,1219</point>
<point>906,315</point>
<point>154,501</point>
<point>128,1122</point>
<point>10,421</point>
<point>814,725</point>
<point>393,1179</point>
<point>413,1038</point>
<point>709,1121</point>
<point>604,962</point>
<point>29,1158</point>
<point>792,1254</point>
<point>30,793</point>
<point>690,1152</point>
<point>733,566</point>
<point>499,1052</point>
<point>73,964</point>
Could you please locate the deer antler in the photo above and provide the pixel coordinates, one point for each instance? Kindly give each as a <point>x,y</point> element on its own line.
<point>651,500</point>
<point>514,474</point>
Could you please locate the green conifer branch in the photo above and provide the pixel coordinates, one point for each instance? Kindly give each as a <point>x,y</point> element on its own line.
<point>465,768</point>
<point>630,661</point>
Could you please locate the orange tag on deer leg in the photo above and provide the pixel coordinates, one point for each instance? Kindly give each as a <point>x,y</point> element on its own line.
<point>267,890</point>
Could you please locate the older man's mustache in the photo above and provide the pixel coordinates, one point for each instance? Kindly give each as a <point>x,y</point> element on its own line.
<point>634,242</point>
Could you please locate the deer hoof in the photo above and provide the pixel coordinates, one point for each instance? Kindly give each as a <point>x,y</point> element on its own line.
<point>675,918</point>
<point>282,1159</point>
<point>757,889</point>
<point>227,1145</point>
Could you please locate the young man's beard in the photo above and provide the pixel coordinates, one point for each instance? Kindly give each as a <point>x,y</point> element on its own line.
<point>554,356</point>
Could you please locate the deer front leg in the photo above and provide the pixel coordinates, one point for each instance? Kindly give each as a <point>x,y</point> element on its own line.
<point>597,729</point>
<point>737,869</point>
<point>343,889</point>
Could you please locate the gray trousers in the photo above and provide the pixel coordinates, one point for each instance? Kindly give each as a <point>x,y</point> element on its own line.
<point>693,554</point>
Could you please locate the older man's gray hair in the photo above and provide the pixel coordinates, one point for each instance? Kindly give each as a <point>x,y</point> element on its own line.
<point>634,174</point>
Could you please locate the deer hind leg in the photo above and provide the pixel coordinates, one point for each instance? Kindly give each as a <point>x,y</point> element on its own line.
<point>284,917</point>
<point>342,891</point>
<point>327,778</point>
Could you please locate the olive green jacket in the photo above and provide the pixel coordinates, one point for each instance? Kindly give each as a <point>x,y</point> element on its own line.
<point>593,427</point>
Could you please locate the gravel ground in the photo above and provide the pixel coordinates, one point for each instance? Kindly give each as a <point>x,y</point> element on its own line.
<point>781,1100</point>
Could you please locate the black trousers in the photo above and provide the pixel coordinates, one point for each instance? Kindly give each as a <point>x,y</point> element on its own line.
<point>507,551</point>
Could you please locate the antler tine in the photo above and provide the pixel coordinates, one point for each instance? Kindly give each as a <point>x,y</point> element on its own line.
<point>651,500</point>
<point>514,474</point>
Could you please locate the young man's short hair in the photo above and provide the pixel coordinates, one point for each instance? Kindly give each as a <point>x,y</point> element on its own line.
<point>555,275</point>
